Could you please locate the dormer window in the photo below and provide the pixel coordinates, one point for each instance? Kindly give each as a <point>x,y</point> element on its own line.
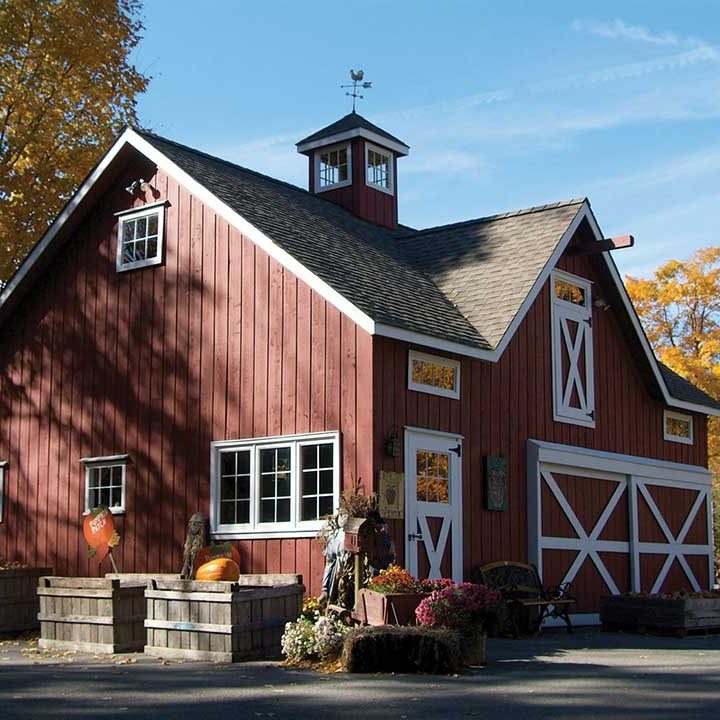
<point>333,167</point>
<point>140,237</point>
<point>378,164</point>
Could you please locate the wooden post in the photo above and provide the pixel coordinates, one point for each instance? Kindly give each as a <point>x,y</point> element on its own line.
<point>357,579</point>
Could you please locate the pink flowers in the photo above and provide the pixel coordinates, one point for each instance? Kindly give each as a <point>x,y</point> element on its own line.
<point>456,605</point>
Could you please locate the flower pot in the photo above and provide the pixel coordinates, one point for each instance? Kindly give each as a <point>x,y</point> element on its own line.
<point>473,646</point>
<point>374,608</point>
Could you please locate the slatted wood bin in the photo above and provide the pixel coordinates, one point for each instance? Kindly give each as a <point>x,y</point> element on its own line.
<point>18,600</point>
<point>101,615</point>
<point>221,621</point>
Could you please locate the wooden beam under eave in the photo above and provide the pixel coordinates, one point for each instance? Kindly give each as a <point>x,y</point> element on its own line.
<point>598,246</point>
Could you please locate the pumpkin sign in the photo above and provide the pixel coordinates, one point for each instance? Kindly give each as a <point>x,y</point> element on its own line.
<point>99,532</point>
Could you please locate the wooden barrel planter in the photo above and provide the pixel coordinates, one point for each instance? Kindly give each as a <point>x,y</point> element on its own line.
<point>665,616</point>
<point>221,621</point>
<point>101,615</point>
<point>18,599</point>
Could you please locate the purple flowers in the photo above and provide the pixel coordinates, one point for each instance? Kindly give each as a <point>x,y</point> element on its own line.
<point>456,605</point>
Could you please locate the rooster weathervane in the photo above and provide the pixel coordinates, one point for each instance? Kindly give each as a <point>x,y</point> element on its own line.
<point>357,84</point>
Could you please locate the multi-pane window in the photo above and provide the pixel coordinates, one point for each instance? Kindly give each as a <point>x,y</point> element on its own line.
<point>433,476</point>
<point>433,374</point>
<point>333,167</point>
<point>378,168</point>
<point>677,427</point>
<point>140,237</point>
<point>572,350</point>
<point>105,485</point>
<point>274,486</point>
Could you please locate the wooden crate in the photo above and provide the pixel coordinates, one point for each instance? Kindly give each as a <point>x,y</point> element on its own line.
<point>102,615</point>
<point>18,599</point>
<point>674,616</point>
<point>221,621</point>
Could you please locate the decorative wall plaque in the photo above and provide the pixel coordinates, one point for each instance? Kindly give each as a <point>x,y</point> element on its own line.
<point>496,482</point>
<point>391,493</point>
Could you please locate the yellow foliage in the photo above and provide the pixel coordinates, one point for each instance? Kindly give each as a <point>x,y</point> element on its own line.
<point>680,311</point>
<point>66,89</point>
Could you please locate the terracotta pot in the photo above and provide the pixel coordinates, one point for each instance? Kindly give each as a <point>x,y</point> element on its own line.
<point>473,646</point>
<point>374,608</point>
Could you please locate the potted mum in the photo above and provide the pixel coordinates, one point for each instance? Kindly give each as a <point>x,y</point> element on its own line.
<point>462,607</point>
<point>390,598</point>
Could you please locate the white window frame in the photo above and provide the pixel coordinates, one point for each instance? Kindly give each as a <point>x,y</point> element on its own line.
<point>108,461</point>
<point>437,360</point>
<point>3,466</point>
<point>343,183</point>
<point>390,190</point>
<point>124,216</point>
<point>257,530</point>
<point>677,438</point>
<point>582,314</point>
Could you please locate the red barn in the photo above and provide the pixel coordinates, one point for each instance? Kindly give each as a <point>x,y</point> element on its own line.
<point>192,335</point>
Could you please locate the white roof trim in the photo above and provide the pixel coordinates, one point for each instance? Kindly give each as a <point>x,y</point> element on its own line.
<point>398,147</point>
<point>134,139</point>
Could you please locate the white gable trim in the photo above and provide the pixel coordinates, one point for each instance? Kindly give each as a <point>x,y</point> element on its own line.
<point>132,138</point>
<point>399,148</point>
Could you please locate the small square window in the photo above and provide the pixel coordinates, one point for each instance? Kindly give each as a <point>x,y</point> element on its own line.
<point>105,483</point>
<point>379,168</point>
<point>333,167</point>
<point>140,237</point>
<point>677,427</point>
<point>434,375</point>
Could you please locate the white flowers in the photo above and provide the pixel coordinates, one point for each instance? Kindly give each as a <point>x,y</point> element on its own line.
<point>305,639</point>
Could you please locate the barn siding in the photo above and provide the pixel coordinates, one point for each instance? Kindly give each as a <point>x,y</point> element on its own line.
<point>504,404</point>
<point>219,342</point>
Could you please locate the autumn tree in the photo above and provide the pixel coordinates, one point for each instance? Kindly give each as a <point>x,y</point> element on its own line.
<point>66,88</point>
<point>680,311</point>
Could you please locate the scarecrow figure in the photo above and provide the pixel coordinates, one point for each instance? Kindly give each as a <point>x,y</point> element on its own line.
<point>195,540</point>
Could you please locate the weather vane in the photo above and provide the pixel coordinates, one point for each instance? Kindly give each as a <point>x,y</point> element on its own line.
<point>357,84</point>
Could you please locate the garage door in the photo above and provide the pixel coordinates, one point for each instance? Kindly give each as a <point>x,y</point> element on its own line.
<point>610,523</point>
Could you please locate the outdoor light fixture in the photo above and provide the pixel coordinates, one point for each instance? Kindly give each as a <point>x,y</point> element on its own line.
<point>136,185</point>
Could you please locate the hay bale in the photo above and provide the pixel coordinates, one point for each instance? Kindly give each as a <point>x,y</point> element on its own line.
<point>401,649</point>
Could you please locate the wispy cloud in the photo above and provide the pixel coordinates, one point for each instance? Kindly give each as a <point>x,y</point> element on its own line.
<point>619,29</point>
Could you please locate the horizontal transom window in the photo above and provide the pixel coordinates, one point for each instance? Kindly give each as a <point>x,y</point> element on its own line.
<point>433,374</point>
<point>677,427</point>
<point>278,486</point>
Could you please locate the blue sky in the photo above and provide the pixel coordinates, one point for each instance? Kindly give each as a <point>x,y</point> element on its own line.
<point>505,105</point>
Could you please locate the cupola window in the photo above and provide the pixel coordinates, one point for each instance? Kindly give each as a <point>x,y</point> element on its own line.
<point>379,168</point>
<point>333,168</point>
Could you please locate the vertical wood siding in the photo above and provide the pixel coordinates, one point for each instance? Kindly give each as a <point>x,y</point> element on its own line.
<point>219,342</point>
<point>504,404</point>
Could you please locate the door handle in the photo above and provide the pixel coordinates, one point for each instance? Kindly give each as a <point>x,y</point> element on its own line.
<point>414,536</point>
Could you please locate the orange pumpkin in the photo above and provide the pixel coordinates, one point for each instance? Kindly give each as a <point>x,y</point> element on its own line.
<point>218,569</point>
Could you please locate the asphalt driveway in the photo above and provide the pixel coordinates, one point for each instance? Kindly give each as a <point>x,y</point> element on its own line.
<point>585,675</point>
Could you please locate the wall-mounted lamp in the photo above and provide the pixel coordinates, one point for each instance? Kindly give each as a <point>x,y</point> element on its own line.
<point>393,447</point>
<point>136,185</point>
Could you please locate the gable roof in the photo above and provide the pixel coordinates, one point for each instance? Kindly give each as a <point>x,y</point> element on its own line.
<point>437,287</point>
<point>350,126</point>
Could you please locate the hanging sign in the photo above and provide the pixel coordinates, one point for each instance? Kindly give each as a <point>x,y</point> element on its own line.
<point>99,532</point>
<point>391,495</point>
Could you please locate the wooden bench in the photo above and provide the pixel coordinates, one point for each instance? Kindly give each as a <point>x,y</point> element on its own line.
<point>528,602</point>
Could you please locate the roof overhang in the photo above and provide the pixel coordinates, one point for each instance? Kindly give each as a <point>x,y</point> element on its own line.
<point>398,148</point>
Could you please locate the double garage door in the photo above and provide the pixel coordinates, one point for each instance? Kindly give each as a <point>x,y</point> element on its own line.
<point>612,523</point>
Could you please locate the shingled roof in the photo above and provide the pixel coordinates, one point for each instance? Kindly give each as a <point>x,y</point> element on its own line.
<point>351,121</point>
<point>683,389</point>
